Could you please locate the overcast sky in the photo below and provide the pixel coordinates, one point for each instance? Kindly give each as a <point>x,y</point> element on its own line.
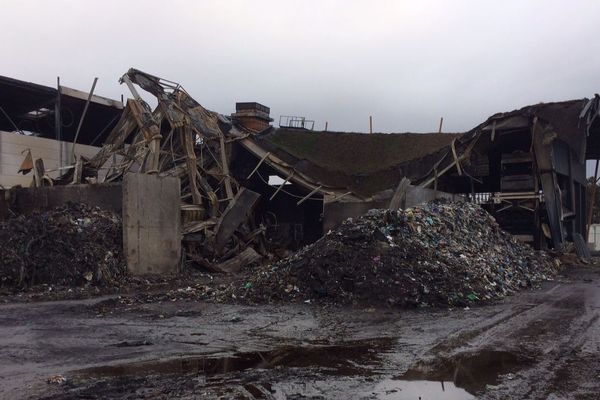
<point>405,63</point>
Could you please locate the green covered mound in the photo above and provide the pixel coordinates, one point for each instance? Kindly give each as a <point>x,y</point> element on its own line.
<point>352,153</point>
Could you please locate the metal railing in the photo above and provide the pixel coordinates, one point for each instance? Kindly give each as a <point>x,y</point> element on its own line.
<point>498,197</point>
<point>291,121</point>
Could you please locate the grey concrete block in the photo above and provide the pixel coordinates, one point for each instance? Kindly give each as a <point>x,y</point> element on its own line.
<point>151,224</point>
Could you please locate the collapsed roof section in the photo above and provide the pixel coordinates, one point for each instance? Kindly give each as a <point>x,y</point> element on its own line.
<point>563,121</point>
<point>527,167</point>
<point>360,164</point>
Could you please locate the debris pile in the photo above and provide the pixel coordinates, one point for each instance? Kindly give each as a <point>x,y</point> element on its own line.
<point>182,139</point>
<point>72,245</point>
<point>437,254</point>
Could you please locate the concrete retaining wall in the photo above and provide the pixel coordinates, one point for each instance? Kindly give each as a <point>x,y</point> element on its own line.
<point>151,224</point>
<point>28,200</point>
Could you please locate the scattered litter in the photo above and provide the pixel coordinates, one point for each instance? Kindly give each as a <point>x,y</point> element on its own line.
<point>57,380</point>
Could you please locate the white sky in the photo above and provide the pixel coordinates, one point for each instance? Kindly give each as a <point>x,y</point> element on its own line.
<point>406,63</point>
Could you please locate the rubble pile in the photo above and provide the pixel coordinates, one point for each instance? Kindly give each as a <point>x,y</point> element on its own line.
<point>72,245</point>
<point>437,254</point>
<point>182,139</point>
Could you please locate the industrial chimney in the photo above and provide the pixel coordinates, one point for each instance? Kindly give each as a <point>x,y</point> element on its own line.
<point>253,116</point>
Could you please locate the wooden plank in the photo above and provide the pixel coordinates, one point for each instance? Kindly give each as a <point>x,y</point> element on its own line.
<point>331,199</point>
<point>447,168</point>
<point>236,213</point>
<point>38,172</point>
<point>302,200</point>
<point>149,128</point>
<point>225,166</point>
<point>258,165</point>
<point>235,264</point>
<point>550,187</point>
<point>592,202</point>
<point>117,137</point>
<point>197,226</point>
<point>438,174</point>
<point>78,171</point>
<point>190,161</point>
<point>398,200</point>
<point>456,160</point>
<point>581,247</point>
<point>82,118</point>
<point>204,263</point>
<point>282,185</point>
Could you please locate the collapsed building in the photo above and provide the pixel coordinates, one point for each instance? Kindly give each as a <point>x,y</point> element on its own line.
<point>48,121</point>
<point>247,190</point>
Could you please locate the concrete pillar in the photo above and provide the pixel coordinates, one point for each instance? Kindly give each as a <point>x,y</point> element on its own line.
<point>151,224</point>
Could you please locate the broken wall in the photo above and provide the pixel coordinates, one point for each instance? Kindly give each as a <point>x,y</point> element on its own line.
<point>14,146</point>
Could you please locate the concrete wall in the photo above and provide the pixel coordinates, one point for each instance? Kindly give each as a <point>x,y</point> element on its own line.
<point>13,148</point>
<point>336,212</point>
<point>151,224</point>
<point>27,200</point>
<point>150,207</point>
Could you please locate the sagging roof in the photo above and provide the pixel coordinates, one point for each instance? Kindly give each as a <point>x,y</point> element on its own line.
<point>361,163</point>
<point>357,153</point>
<point>366,164</point>
<point>31,107</point>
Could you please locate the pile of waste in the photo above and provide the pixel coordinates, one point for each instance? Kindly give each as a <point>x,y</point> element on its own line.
<point>437,254</point>
<point>72,245</point>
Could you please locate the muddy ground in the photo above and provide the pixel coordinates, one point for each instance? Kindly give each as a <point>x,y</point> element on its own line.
<point>539,344</point>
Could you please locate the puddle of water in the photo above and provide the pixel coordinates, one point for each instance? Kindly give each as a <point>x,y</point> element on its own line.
<point>344,359</point>
<point>470,371</point>
<point>327,371</point>
<point>390,389</point>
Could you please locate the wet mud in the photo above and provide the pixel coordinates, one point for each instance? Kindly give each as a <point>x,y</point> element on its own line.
<point>541,344</point>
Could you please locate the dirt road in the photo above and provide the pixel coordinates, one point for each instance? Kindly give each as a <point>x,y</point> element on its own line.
<point>541,344</point>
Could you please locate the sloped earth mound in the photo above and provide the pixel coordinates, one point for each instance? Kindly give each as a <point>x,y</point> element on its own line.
<point>437,254</point>
<point>72,245</point>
